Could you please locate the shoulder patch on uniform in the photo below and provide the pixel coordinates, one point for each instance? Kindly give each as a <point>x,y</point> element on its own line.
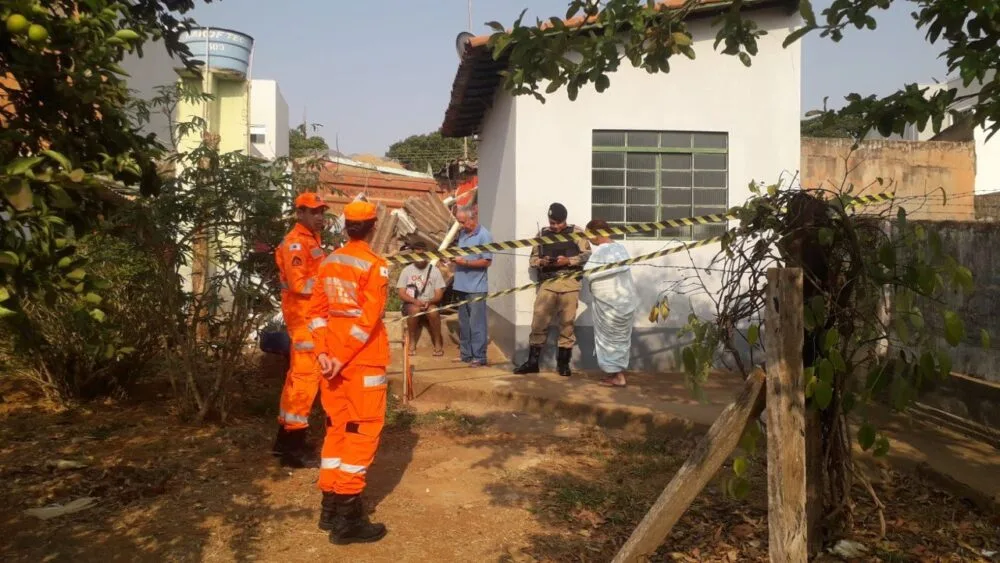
<point>296,261</point>
<point>383,271</point>
<point>295,246</point>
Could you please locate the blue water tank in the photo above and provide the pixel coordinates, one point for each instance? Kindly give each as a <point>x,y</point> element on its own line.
<point>220,49</point>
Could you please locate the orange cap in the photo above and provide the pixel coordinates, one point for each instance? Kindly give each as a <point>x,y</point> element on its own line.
<point>310,200</point>
<point>359,211</point>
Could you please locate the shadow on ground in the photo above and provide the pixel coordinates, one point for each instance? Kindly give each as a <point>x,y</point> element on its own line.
<point>164,491</point>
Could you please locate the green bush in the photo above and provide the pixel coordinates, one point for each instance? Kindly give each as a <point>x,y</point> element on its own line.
<point>72,355</point>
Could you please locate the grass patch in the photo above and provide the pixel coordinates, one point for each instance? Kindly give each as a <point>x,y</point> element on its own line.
<point>453,422</point>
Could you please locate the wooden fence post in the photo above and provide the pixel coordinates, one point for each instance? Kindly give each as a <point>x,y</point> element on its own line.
<point>786,418</point>
<point>704,462</point>
<point>406,364</point>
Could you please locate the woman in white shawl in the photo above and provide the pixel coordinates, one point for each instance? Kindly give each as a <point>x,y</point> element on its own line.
<point>613,304</point>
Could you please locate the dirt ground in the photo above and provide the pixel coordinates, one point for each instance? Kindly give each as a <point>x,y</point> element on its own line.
<point>465,483</point>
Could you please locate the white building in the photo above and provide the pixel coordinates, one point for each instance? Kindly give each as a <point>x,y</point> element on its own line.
<point>268,130</point>
<point>651,147</point>
<point>952,129</point>
<point>268,120</point>
<point>154,69</point>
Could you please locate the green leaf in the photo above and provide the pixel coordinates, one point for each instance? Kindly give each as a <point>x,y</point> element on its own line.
<point>823,394</point>
<point>740,466</point>
<point>837,360</point>
<point>602,83</point>
<point>806,10</point>
<point>984,336</point>
<point>689,361</point>
<point>825,236</point>
<point>5,312</point>
<point>8,258</point>
<point>61,199</point>
<point>93,298</point>
<point>954,328</point>
<point>831,339</point>
<point>19,194</point>
<point>126,351</point>
<point>738,487</point>
<point>97,315</point>
<point>58,157</point>
<point>824,371</point>
<point>753,335</point>
<point>963,278</point>
<point>849,402</point>
<point>65,262</point>
<point>77,175</point>
<point>22,165</point>
<point>796,35</point>
<point>4,294</point>
<point>682,39</point>
<point>866,436</point>
<point>881,446</point>
<point>77,275</point>
<point>944,364</point>
<point>127,35</point>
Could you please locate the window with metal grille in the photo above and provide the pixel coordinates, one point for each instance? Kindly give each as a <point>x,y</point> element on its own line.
<point>648,176</point>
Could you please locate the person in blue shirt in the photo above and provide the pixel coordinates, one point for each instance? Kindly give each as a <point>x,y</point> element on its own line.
<point>470,282</point>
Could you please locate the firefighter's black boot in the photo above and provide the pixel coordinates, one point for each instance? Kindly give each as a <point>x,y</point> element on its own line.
<point>328,512</point>
<point>292,450</point>
<point>563,358</point>
<point>351,524</point>
<point>531,365</point>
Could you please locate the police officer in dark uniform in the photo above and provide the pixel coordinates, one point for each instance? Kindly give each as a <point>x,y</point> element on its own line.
<point>556,297</point>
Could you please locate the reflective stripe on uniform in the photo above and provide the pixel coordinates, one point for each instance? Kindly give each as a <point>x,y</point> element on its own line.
<point>374,380</point>
<point>308,289</point>
<point>305,346</point>
<point>289,417</point>
<point>353,469</point>
<point>348,314</point>
<point>341,291</point>
<point>347,260</point>
<point>318,322</point>
<point>316,252</point>
<point>359,334</point>
<point>329,463</point>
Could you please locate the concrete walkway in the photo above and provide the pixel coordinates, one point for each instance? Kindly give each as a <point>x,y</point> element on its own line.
<point>964,466</point>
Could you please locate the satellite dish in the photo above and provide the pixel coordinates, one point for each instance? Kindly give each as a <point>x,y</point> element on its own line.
<point>462,41</point>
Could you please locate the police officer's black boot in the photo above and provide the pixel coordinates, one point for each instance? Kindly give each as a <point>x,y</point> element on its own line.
<point>563,358</point>
<point>531,365</point>
<point>351,524</point>
<point>292,449</point>
<point>328,512</point>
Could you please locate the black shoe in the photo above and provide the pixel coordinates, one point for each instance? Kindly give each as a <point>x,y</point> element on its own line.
<point>293,451</point>
<point>328,517</point>
<point>351,524</point>
<point>530,366</point>
<point>563,358</point>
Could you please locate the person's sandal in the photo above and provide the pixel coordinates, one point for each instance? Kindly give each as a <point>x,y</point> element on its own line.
<point>413,352</point>
<point>438,353</point>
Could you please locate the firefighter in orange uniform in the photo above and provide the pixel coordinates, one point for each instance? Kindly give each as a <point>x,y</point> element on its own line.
<point>353,352</point>
<point>299,258</point>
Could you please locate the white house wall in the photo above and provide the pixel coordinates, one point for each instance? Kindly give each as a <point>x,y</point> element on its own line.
<point>759,107</point>
<point>496,200</point>
<point>269,109</point>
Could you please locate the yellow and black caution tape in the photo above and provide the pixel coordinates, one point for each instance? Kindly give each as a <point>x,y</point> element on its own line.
<point>575,274</point>
<point>630,229</point>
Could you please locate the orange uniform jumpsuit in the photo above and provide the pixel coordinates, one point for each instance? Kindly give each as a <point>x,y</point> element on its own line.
<point>348,327</point>
<point>299,258</point>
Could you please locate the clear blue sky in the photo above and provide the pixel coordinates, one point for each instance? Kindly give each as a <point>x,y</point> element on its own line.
<point>375,71</point>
